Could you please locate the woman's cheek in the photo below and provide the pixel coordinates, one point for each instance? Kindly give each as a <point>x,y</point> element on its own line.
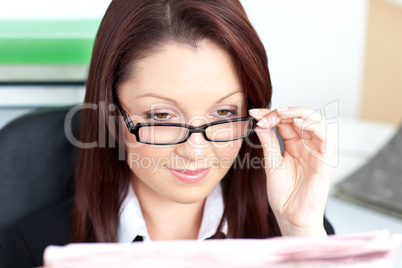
<point>226,156</point>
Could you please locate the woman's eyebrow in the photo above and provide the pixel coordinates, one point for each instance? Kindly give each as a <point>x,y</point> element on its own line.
<point>159,97</point>
<point>175,102</point>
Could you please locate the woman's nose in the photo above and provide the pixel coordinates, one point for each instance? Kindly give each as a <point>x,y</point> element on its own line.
<point>196,144</point>
<point>197,139</point>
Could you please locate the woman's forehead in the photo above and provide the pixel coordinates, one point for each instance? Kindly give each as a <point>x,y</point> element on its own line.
<point>178,73</point>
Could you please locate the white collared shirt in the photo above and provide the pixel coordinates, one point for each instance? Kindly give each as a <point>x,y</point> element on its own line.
<point>132,222</point>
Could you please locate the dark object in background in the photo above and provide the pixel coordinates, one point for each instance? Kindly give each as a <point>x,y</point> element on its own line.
<point>37,164</point>
<point>378,184</point>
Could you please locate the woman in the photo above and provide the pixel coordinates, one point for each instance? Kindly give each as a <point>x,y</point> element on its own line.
<point>192,54</point>
<point>199,63</point>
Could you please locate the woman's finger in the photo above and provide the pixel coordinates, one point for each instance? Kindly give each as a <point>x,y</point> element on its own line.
<point>310,127</point>
<point>258,113</point>
<point>288,131</point>
<point>268,138</point>
<point>287,121</point>
<point>300,112</point>
<point>266,118</point>
<point>310,117</point>
<point>321,139</point>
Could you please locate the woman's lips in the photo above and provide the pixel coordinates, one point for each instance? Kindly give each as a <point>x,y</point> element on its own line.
<point>190,176</point>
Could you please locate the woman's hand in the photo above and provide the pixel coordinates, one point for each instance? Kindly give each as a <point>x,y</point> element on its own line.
<point>298,181</point>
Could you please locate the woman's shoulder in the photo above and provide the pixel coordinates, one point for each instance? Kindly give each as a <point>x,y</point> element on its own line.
<point>27,239</point>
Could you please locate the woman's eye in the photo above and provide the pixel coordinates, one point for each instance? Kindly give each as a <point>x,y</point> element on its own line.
<point>165,117</point>
<point>224,113</point>
<point>158,117</point>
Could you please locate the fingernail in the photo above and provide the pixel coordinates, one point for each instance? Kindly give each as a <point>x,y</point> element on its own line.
<point>281,109</point>
<point>253,112</point>
<point>262,122</point>
<point>298,120</point>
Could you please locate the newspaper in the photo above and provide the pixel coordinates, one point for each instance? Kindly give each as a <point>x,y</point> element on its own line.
<point>373,249</point>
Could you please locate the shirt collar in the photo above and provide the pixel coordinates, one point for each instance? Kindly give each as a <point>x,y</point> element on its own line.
<point>132,222</point>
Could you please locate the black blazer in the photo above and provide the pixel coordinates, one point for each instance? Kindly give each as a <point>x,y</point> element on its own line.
<point>26,241</point>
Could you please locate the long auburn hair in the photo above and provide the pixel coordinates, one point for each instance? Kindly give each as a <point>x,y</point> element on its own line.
<point>132,29</point>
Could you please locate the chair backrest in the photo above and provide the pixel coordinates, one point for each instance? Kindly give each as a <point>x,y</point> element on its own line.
<point>37,164</point>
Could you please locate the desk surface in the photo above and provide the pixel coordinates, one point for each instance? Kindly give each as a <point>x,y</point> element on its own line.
<point>358,141</point>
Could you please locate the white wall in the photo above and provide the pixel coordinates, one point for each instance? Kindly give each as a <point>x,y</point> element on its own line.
<point>315,50</point>
<point>315,47</point>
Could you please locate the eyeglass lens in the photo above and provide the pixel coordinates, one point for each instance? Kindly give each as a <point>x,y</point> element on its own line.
<point>172,134</point>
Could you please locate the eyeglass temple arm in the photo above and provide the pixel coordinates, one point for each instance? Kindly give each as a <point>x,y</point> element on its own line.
<point>126,117</point>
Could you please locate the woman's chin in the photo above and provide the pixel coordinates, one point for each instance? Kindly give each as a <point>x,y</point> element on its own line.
<point>189,197</point>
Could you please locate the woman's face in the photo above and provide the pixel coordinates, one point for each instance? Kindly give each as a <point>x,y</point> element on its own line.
<point>182,84</point>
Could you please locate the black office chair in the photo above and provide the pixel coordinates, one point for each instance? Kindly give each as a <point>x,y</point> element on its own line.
<point>37,164</point>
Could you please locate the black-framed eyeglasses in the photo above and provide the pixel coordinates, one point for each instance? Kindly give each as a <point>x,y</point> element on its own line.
<point>176,133</point>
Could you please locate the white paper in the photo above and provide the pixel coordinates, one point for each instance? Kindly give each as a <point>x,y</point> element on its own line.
<point>374,249</point>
